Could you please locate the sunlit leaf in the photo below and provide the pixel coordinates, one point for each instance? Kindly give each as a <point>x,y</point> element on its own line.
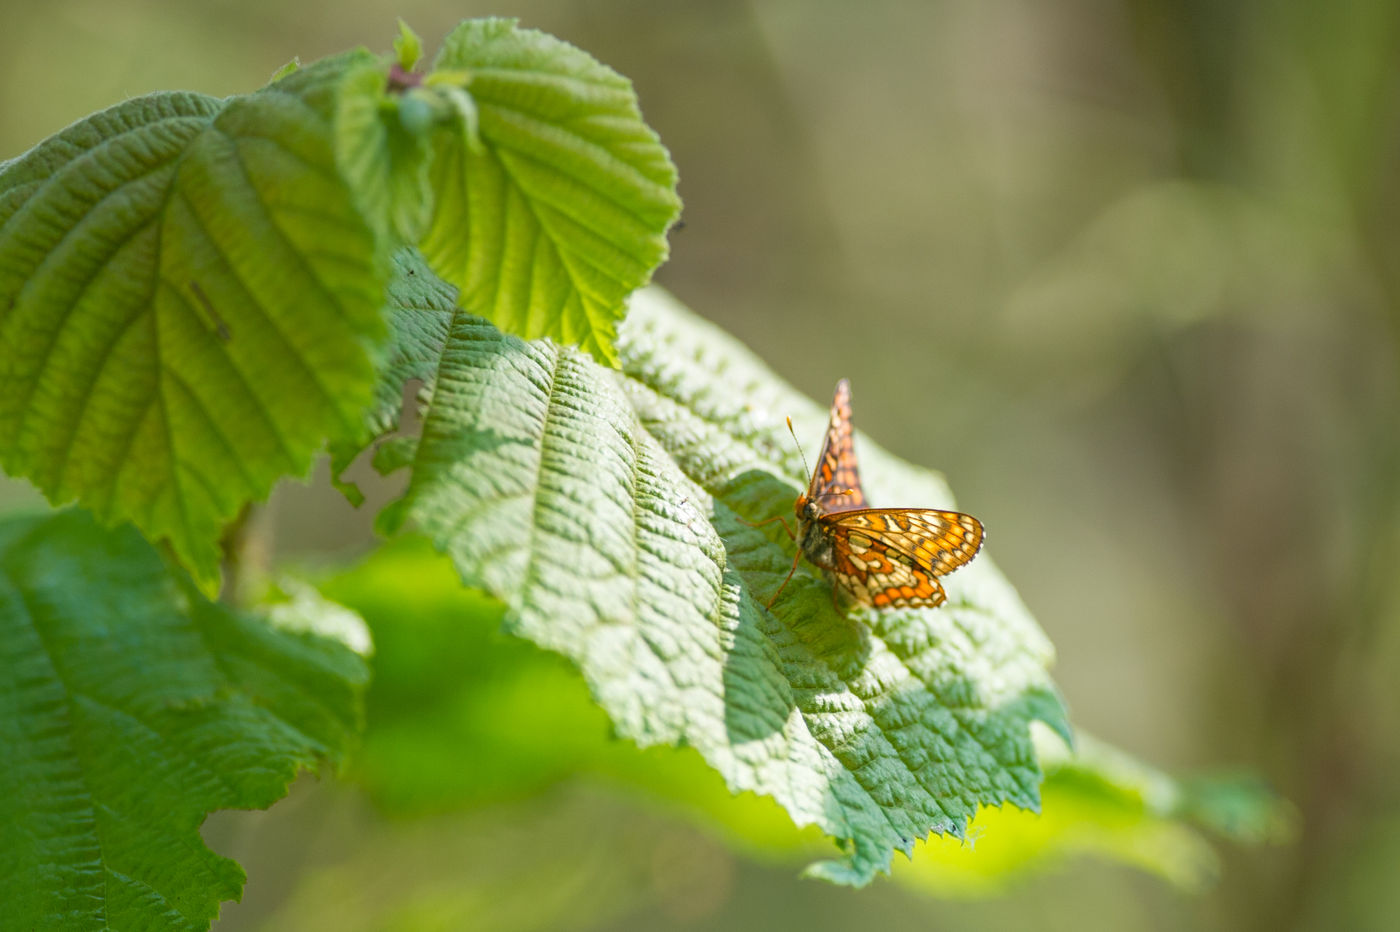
<point>553,197</point>
<point>189,301</point>
<point>608,511</point>
<point>451,689</point>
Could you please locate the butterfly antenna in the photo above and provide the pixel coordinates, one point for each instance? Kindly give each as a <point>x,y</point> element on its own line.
<point>806,470</point>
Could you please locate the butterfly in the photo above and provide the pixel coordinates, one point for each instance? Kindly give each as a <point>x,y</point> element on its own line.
<point>885,557</point>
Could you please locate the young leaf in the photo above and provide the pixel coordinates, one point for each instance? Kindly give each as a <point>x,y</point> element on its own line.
<point>188,304</point>
<point>408,48</point>
<point>130,708</point>
<point>608,511</point>
<point>553,197</point>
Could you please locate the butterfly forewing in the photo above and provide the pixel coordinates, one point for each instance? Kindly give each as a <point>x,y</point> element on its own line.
<point>835,484</point>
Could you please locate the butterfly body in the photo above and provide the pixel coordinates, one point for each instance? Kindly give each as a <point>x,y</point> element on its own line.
<point>815,541</point>
<point>884,557</point>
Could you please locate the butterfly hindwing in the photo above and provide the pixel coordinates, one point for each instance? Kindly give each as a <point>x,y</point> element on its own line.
<point>876,574</point>
<point>890,556</point>
<point>939,540</point>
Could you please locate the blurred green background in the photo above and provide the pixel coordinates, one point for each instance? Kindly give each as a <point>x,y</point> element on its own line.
<point>1127,271</point>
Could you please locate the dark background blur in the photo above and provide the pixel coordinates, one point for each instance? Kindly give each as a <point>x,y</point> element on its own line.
<point>1127,271</point>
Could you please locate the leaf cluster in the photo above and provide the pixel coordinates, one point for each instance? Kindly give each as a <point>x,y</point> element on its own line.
<point>199,295</point>
<point>192,289</point>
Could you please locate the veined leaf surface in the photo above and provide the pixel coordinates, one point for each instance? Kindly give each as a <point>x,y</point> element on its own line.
<point>608,509</point>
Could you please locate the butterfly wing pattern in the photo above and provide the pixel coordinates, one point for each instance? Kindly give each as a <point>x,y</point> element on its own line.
<point>835,484</point>
<point>885,557</point>
<point>889,557</point>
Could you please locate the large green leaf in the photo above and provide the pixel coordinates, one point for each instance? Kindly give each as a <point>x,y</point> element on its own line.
<point>130,707</point>
<point>189,300</point>
<point>450,691</point>
<point>608,511</point>
<point>553,197</point>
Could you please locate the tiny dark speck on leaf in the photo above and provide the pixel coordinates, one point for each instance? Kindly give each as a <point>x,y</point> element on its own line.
<point>220,327</point>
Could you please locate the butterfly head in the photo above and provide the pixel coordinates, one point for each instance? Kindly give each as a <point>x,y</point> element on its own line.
<point>806,508</point>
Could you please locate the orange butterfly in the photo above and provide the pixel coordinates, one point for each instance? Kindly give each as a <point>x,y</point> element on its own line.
<point>885,557</point>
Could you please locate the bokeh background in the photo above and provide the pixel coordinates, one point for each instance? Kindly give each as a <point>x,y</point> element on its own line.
<point>1127,271</point>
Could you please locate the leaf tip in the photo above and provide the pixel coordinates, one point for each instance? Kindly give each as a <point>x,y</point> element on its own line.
<point>840,872</point>
<point>285,70</point>
<point>408,48</point>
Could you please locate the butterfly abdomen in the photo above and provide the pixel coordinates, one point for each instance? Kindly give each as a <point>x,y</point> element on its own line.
<point>816,545</point>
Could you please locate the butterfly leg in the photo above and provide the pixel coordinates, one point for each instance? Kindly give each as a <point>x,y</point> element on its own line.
<point>779,518</point>
<point>786,578</point>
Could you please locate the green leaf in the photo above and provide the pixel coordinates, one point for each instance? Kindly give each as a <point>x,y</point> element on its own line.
<point>129,709</point>
<point>608,511</point>
<point>422,307</point>
<point>553,197</point>
<point>1098,801</point>
<point>408,48</point>
<point>189,301</point>
<point>1236,806</point>
<point>449,690</point>
<point>285,70</point>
